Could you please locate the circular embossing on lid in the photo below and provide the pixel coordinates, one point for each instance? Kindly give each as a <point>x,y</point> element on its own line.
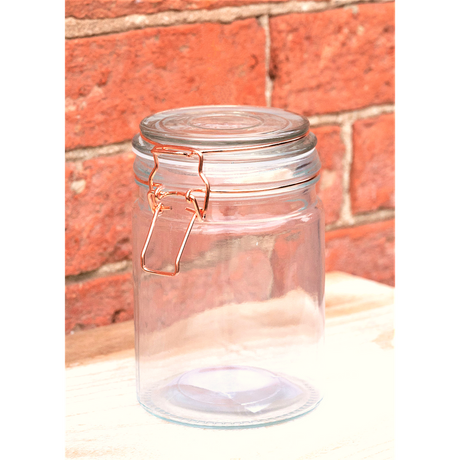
<point>223,125</point>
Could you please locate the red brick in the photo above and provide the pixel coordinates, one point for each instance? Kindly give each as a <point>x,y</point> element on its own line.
<point>373,171</point>
<point>114,81</point>
<point>331,152</point>
<point>98,302</point>
<point>99,197</point>
<point>366,250</point>
<point>94,9</point>
<point>333,60</point>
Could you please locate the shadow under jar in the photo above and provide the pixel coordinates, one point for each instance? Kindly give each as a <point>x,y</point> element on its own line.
<point>228,257</point>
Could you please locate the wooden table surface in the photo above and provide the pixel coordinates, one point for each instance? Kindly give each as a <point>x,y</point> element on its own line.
<point>354,421</point>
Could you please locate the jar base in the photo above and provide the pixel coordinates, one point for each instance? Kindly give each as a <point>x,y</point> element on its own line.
<point>230,396</point>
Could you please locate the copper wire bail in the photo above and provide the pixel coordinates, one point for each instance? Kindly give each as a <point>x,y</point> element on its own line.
<point>156,194</point>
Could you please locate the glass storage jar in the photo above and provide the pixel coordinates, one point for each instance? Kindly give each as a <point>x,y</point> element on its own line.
<point>228,261</point>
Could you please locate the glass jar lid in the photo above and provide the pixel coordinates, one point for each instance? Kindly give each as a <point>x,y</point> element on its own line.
<point>224,125</point>
<point>243,148</point>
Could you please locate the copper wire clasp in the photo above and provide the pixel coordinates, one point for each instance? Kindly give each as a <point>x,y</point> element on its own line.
<point>156,194</point>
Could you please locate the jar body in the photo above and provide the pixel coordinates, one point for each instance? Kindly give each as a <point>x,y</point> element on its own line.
<point>236,337</point>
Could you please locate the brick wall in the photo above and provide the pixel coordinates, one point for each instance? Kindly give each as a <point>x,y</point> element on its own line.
<point>330,60</point>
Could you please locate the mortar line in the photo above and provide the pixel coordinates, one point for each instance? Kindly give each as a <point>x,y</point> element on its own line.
<point>346,134</point>
<point>79,28</point>
<point>94,152</point>
<point>350,115</point>
<point>116,268</point>
<point>370,217</point>
<point>265,22</point>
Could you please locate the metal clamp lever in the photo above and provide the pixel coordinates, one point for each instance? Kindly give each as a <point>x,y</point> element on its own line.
<point>156,194</point>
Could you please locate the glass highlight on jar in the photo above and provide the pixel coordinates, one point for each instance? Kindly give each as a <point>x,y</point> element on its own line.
<point>228,261</point>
